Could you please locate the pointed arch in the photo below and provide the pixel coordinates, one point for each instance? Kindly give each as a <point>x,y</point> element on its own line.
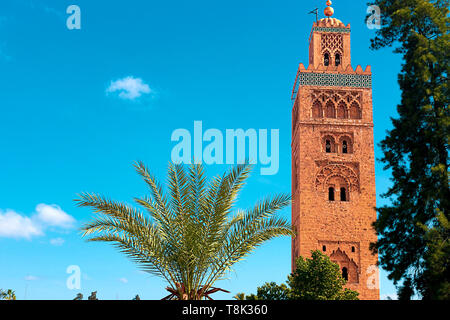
<point>347,266</point>
<point>330,109</point>
<point>337,59</point>
<point>317,111</point>
<point>326,59</point>
<point>342,112</point>
<point>355,111</point>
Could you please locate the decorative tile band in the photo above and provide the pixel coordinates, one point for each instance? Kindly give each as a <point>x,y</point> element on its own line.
<point>332,80</point>
<point>335,80</point>
<point>339,30</point>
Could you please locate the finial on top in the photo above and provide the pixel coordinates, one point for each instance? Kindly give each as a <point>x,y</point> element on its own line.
<point>329,11</point>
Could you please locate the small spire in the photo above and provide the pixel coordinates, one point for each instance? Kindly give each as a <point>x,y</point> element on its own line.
<point>329,11</point>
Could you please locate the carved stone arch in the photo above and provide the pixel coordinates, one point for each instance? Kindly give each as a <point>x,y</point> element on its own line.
<point>355,111</point>
<point>337,57</point>
<point>342,111</point>
<point>336,97</point>
<point>330,109</point>
<point>331,141</point>
<point>345,263</point>
<point>317,111</point>
<point>327,172</point>
<point>345,141</point>
<point>327,56</point>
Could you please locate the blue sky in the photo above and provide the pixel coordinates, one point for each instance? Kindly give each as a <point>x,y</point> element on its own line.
<point>62,132</point>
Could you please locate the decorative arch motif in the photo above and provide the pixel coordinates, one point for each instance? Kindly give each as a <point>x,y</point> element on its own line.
<point>345,144</point>
<point>335,172</point>
<point>333,42</point>
<point>330,110</point>
<point>336,104</point>
<point>329,144</point>
<point>317,111</point>
<point>347,265</point>
<point>355,111</point>
<point>342,111</point>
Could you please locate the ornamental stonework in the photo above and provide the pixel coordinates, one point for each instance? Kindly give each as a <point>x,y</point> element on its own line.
<point>341,170</point>
<point>333,161</point>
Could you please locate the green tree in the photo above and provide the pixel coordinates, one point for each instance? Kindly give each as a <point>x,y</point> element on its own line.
<point>271,291</point>
<point>190,237</point>
<point>413,245</point>
<point>318,278</point>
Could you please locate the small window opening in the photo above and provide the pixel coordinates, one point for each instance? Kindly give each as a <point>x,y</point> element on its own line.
<point>344,147</point>
<point>324,248</point>
<point>353,249</point>
<point>331,194</point>
<point>338,59</point>
<point>328,146</point>
<point>326,61</point>
<point>343,194</point>
<point>345,273</point>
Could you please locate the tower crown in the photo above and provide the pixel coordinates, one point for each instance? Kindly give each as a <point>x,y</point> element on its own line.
<point>329,43</point>
<point>330,60</point>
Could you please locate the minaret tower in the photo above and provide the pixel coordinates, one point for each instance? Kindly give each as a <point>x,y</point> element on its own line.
<point>333,166</point>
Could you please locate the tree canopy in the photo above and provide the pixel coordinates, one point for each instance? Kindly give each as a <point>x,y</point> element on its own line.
<point>413,231</point>
<point>315,278</point>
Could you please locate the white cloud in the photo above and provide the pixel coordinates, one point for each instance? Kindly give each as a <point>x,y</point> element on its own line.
<point>129,88</point>
<point>57,242</point>
<point>54,216</point>
<point>123,280</point>
<point>31,278</point>
<point>15,225</point>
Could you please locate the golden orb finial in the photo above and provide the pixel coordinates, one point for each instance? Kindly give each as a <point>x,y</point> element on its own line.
<point>329,11</point>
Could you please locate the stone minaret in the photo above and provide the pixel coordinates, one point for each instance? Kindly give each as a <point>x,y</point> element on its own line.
<point>333,169</point>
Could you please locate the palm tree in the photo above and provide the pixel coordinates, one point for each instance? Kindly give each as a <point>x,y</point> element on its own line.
<point>7,295</point>
<point>190,237</point>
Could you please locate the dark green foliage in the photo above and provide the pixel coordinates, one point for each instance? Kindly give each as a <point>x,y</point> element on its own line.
<point>271,291</point>
<point>413,242</point>
<point>405,291</point>
<point>317,278</point>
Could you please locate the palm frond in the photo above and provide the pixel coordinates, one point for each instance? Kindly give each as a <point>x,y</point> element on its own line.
<point>187,235</point>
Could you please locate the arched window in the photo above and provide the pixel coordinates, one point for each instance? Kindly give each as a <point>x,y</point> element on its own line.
<point>344,146</point>
<point>331,194</point>
<point>342,111</point>
<point>355,111</point>
<point>345,273</point>
<point>328,146</point>
<point>343,194</point>
<point>337,59</point>
<point>317,110</point>
<point>330,110</point>
<point>326,60</point>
